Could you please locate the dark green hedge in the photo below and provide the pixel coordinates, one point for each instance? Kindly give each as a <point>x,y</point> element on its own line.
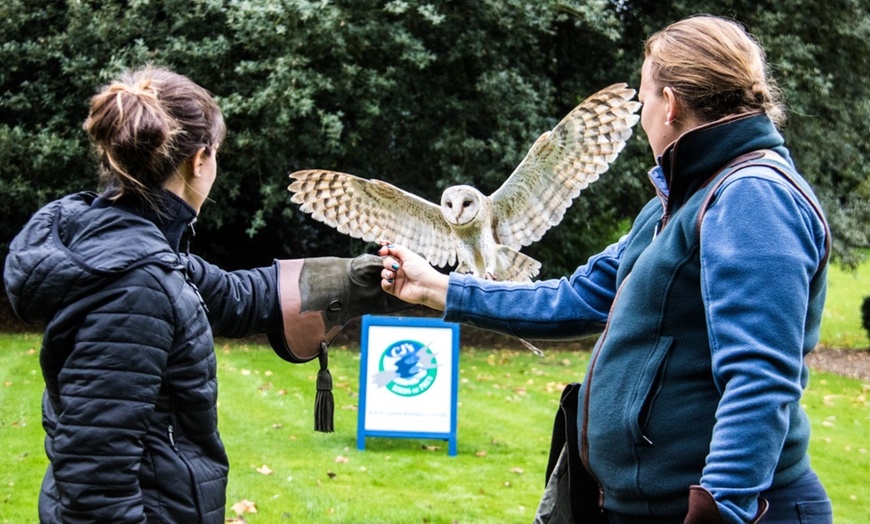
<point>423,95</point>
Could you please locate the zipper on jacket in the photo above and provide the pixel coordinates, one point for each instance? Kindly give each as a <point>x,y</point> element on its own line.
<point>663,221</point>
<point>584,437</point>
<point>191,235</point>
<point>184,266</point>
<point>195,289</point>
<point>193,477</point>
<point>171,431</point>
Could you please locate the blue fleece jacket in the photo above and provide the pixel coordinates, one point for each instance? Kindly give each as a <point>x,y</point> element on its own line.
<point>698,374</point>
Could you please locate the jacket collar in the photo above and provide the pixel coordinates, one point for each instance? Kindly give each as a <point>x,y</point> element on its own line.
<point>686,164</point>
<point>169,212</point>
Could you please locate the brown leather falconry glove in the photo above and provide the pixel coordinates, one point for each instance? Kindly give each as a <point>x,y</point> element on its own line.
<point>317,297</point>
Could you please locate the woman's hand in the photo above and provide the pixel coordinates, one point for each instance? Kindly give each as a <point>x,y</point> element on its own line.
<point>409,277</point>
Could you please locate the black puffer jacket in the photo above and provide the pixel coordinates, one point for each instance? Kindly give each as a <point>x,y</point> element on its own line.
<point>128,358</point>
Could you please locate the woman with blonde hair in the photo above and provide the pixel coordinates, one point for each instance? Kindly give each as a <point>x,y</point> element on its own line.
<point>690,407</point>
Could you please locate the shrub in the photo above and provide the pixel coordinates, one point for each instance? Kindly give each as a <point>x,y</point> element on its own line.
<point>865,315</point>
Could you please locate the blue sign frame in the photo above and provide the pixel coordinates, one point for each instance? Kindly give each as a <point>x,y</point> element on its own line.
<point>400,358</point>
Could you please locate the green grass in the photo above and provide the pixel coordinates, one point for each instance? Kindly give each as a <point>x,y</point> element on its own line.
<point>507,400</point>
<point>506,405</point>
<point>841,325</point>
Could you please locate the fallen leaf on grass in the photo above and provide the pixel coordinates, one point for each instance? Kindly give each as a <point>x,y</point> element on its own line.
<point>518,471</point>
<point>431,448</point>
<point>331,474</point>
<point>244,506</point>
<point>264,470</point>
<point>341,459</point>
<point>481,453</point>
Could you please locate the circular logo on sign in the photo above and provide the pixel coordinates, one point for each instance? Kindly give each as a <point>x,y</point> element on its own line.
<point>407,368</point>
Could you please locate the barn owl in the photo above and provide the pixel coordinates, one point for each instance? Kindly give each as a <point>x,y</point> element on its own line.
<point>480,234</point>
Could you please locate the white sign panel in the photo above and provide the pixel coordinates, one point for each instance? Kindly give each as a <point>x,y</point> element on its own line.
<point>408,378</point>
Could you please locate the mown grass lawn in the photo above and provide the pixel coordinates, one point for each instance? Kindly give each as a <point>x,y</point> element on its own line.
<point>289,473</point>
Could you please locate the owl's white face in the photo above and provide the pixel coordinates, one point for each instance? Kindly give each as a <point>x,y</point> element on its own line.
<point>460,205</point>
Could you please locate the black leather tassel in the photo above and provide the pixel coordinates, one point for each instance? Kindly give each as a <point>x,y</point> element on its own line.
<point>324,404</point>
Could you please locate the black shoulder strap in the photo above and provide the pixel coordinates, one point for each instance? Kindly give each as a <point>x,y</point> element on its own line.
<point>771,159</point>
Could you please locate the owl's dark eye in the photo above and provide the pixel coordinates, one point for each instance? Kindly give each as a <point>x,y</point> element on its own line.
<point>466,203</point>
<point>450,204</point>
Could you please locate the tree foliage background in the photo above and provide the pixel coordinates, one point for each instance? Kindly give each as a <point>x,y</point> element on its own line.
<point>421,94</point>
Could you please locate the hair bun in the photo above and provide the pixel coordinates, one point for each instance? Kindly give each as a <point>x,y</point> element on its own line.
<point>147,123</point>
<point>142,89</point>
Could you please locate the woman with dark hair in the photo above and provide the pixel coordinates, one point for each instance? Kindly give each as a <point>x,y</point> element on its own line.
<point>690,408</point>
<point>130,404</point>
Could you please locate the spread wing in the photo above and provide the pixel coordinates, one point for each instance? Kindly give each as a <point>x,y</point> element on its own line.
<point>375,210</point>
<point>561,163</point>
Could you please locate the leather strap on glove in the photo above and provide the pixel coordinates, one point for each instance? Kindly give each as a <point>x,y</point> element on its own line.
<point>317,297</point>
<point>703,508</point>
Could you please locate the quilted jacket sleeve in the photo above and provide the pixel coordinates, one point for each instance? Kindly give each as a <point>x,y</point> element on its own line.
<point>107,390</point>
<point>240,303</point>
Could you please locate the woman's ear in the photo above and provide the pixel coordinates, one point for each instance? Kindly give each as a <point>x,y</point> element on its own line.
<point>197,160</point>
<point>673,109</point>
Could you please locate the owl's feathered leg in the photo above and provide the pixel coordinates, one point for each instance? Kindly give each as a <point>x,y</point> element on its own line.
<point>512,265</point>
<point>466,269</point>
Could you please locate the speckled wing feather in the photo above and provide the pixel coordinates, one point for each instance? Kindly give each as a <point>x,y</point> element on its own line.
<point>375,210</point>
<point>561,163</point>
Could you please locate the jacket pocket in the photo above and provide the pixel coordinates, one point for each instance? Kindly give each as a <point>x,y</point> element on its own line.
<point>648,387</point>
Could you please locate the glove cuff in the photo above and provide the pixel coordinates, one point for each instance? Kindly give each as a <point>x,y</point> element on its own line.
<point>301,331</point>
